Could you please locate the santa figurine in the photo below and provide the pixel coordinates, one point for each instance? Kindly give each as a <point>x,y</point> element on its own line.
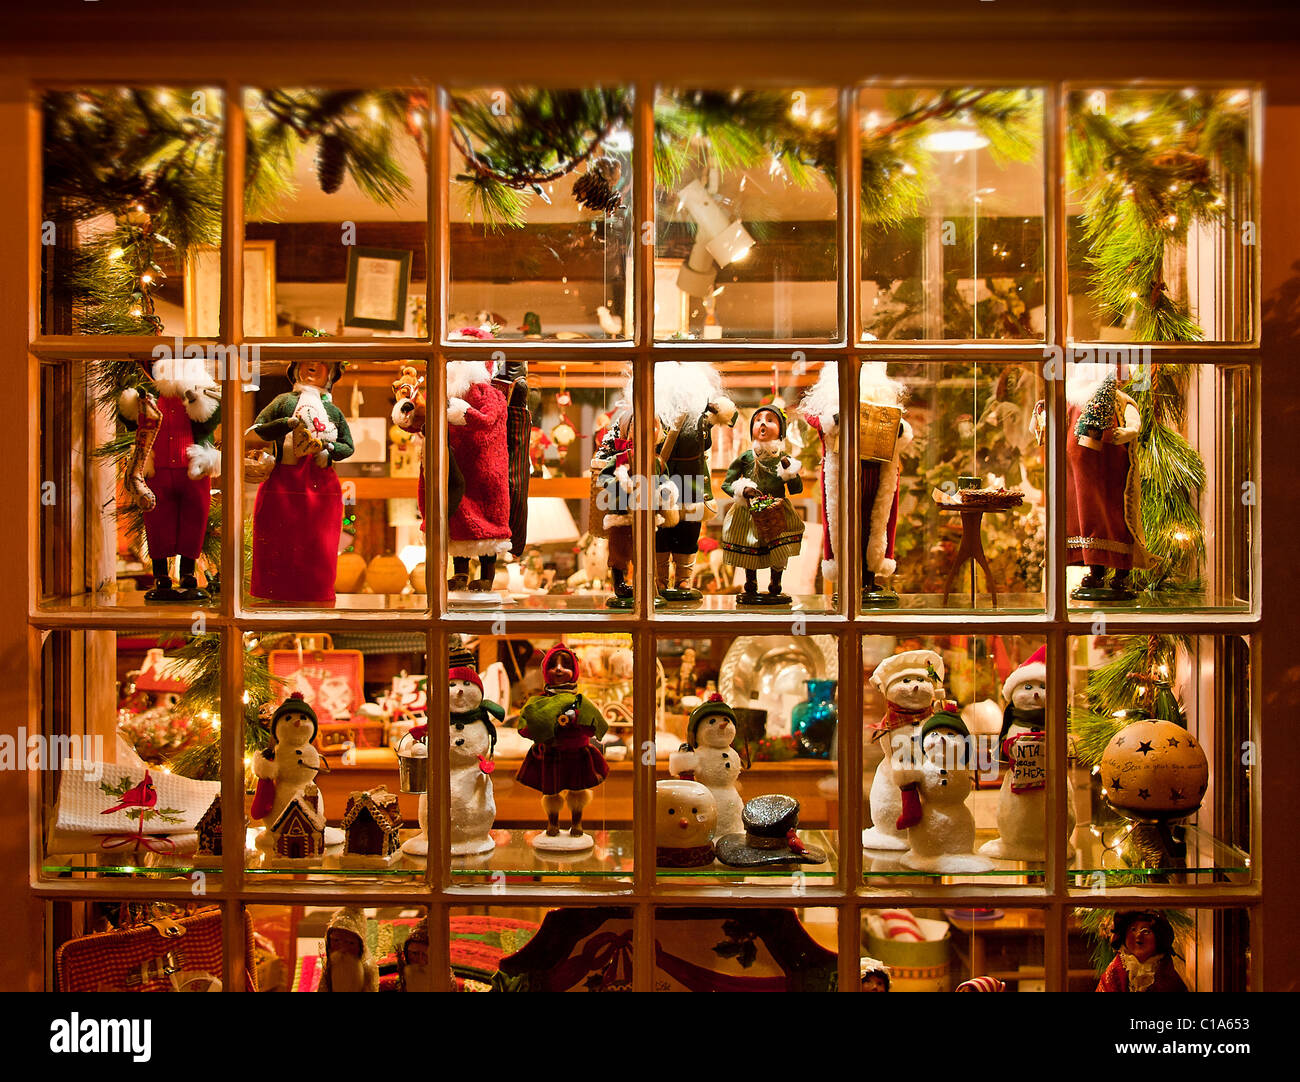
<point>1022,801</point>
<point>880,452</point>
<point>298,513</point>
<point>709,758</point>
<point>287,768</point>
<point>910,682</point>
<point>409,413</point>
<point>477,437</point>
<point>413,971</point>
<point>762,529</point>
<point>689,404</point>
<point>1103,486</point>
<point>565,762</point>
<point>169,468</point>
<point>349,965</point>
<point>1143,941</point>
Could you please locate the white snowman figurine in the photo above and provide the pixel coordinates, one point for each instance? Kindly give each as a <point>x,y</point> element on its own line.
<point>473,739</point>
<point>1022,801</point>
<point>944,839</point>
<point>910,683</point>
<point>287,768</point>
<point>708,758</point>
<point>686,819</point>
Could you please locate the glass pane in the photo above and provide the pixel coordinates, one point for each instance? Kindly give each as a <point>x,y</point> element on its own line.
<point>528,524</point>
<point>953,950</point>
<point>742,462</point>
<point>954,759</point>
<point>556,806</point>
<point>1160,484</point>
<point>130,750</point>
<point>131,197</point>
<point>541,214</point>
<point>315,948</point>
<point>336,208</point>
<point>747,739</point>
<point>1162,215</point>
<point>325,716</point>
<point>746,243</point>
<point>333,486</point>
<point>952,478</point>
<point>952,214</point>
<point>1168,950</point>
<point>1164,751</point>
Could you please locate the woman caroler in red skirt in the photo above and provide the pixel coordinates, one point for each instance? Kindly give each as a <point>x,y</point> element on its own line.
<point>298,515</point>
<point>565,762</point>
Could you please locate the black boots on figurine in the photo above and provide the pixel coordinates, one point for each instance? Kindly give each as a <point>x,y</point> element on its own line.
<point>460,580</point>
<point>163,592</point>
<point>771,596</point>
<point>876,596</point>
<point>1094,586</point>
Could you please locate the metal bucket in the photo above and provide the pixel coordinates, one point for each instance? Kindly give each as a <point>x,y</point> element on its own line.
<point>412,770</point>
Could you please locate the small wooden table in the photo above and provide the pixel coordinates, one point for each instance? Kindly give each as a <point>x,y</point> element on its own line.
<point>972,544</point>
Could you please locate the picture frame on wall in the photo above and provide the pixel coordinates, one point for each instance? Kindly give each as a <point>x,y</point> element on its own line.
<point>378,280</point>
<point>203,291</point>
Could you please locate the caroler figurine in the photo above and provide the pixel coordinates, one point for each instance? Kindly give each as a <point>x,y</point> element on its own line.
<point>709,758</point>
<point>1103,489</point>
<point>168,470</point>
<point>910,682</point>
<point>298,513</point>
<point>287,768</point>
<point>689,403</point>
<point>477,437</point>
<point>883,435</point>
<point>1022,801</point>
<point>1143,941</point>
<point>762,529</point>
<point>565,762</point>
<point>349,965</point>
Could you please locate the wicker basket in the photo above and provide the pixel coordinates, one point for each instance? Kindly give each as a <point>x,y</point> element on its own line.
<point>596,525</point>
<point>257,467</point>
<point>878,430</point>
<point>769,520</point>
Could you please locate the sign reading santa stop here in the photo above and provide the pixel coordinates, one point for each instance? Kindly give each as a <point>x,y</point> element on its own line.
<point>1028,762</point>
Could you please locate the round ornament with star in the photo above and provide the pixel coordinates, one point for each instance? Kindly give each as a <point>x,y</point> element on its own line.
<point>1154,769</point>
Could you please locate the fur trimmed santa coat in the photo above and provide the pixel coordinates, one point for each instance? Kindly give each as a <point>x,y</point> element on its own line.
<point>476,436</point>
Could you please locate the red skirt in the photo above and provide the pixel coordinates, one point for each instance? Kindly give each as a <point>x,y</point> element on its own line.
<point>570,761</point>
<point>297,519</point>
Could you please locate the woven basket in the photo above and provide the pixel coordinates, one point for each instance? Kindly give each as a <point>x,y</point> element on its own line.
<point>596,523</point>
<point>878,430</point>
<point>257,467</point>
<point>769,522</point>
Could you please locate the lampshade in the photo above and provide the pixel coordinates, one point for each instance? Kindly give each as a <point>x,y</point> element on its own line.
<point>549,521</point>
<point>954,140</point>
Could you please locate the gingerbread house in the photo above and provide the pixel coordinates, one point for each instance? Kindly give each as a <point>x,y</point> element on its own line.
<point>209,830</point>
<point>300,829</point>
<point>371,823</point>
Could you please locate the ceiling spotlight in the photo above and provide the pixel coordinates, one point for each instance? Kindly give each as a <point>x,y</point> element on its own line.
<point>719,241</point>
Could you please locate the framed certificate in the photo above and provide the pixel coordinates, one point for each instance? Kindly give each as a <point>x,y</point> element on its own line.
<point>378,279</point>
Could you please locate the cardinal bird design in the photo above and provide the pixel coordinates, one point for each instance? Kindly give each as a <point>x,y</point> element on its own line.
<point>143,795</point>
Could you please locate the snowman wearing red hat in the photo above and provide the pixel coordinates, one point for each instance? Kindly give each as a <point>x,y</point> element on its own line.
<point>473,738</point>
<point>1022,801</point>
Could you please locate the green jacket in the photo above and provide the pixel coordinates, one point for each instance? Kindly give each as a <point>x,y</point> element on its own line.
<point>762,474</point>
<point>275,422</point>
<point>541,712</point>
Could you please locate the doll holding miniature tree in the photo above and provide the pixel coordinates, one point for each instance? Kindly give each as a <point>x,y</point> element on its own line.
<point>169,470</point>
<point>689,404</point>
<point>298,514</point>
<point>1103,502</point>
<point>565,762</point>
<point>762,529</point>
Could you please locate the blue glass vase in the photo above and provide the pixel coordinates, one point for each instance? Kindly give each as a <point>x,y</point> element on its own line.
<point>813,721</point>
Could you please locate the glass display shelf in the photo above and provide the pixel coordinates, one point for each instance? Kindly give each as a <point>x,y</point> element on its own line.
<point>1207,859</point>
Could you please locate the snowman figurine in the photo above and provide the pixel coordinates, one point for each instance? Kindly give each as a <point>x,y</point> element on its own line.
<point>473,739</point>
<point>708,758</point>
<point>1022,801</point>
<point>944,838</point>
<point>910,682</point>
<point>285,769</point>
<point>685,820</point>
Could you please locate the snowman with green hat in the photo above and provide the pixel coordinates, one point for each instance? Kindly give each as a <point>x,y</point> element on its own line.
<point>944,839</point>
<point>708,758</point>
<point>286,769</point>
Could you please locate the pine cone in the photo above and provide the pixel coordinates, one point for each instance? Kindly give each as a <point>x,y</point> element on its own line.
<point>595,189</point>
<point>331,158</point>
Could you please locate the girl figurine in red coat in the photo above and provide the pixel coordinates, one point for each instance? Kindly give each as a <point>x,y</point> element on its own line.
<point>476,437</point>
<point>298,514</point>
<point>1143,942</point>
